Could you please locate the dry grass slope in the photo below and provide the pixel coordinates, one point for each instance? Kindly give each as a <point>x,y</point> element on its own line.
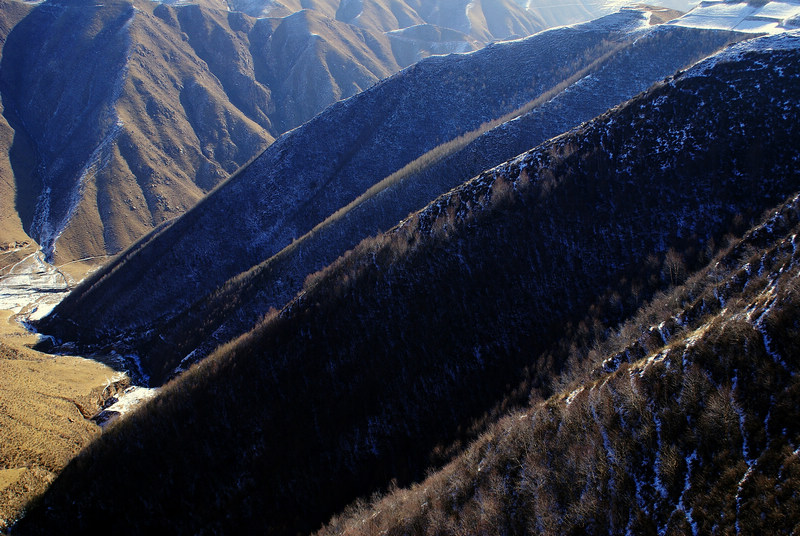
<point>12,234</point>
<point>45,404</point>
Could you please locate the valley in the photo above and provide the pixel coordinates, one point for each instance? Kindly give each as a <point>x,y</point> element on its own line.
<point>45,405</point>
<point>52,404</point>
<point>177,97</point>
<point>409,267</point>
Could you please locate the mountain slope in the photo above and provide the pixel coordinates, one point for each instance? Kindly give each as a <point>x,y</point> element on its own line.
<point>400,344</point>
<point>312,171</point>
<point>113,133</point>
<point>688,424</point>
<point>241,302</point>
<point>484,20</point>
<point>310,61</point>
<point>123,115</point>
<point>560,13</point>
<point>12,233</point>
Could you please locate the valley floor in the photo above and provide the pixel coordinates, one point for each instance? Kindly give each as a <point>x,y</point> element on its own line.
<point>46,401</point>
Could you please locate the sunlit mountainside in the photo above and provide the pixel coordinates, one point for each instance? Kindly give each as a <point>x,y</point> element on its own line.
<point>127,113</point>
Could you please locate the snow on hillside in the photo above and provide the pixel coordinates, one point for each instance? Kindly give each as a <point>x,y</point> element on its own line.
<point>772,18</point>
<point>32,286</point>
<point>556,13</point>
<point>782,41</point>
<point>123,404</point>
<point>616,5</point>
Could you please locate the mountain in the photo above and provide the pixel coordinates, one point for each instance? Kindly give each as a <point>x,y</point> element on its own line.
<point>243,300</point>
<point>484,21</point>
<point>393,352</point>
<point>684,422</point>
<point>12,234</point>
<point>119,131</point>
<point>153,105</point>
<point>292,189</point>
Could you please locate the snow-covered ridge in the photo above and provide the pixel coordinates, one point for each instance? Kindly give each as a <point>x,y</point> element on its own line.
<point>782,41</point>
<point>771,18</point>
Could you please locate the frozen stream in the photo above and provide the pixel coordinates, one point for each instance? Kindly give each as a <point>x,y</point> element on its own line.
<point>31,288</point>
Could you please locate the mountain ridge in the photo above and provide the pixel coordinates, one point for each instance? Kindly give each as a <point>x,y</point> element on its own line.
<point>176,97</point>
<point>335,393</point>
<point>340,232</point>
<point>269,207</point>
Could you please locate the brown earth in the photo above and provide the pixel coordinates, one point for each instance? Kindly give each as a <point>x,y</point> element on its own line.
<point>45,402</point>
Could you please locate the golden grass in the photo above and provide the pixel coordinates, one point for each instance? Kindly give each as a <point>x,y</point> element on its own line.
<point>44,404</point>
<point>13,255</point>
<point>12,333</point>
<point>9,477</point>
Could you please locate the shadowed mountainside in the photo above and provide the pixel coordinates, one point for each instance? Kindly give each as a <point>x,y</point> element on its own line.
<point>684,421</point>
<point>315,170</point>
<point>399,345</point>
<point>12,234</point>
<point>623,71</point>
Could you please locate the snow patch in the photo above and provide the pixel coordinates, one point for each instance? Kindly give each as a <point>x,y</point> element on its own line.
<point>716,15</point>
<point>686,485</point>
<point>573,394</point>
<point>32,287</point>
<point>772,18</point>
<point>470,7</point>
<point>739,495</point>
<point>131,398</point>
<point>696,335</point>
